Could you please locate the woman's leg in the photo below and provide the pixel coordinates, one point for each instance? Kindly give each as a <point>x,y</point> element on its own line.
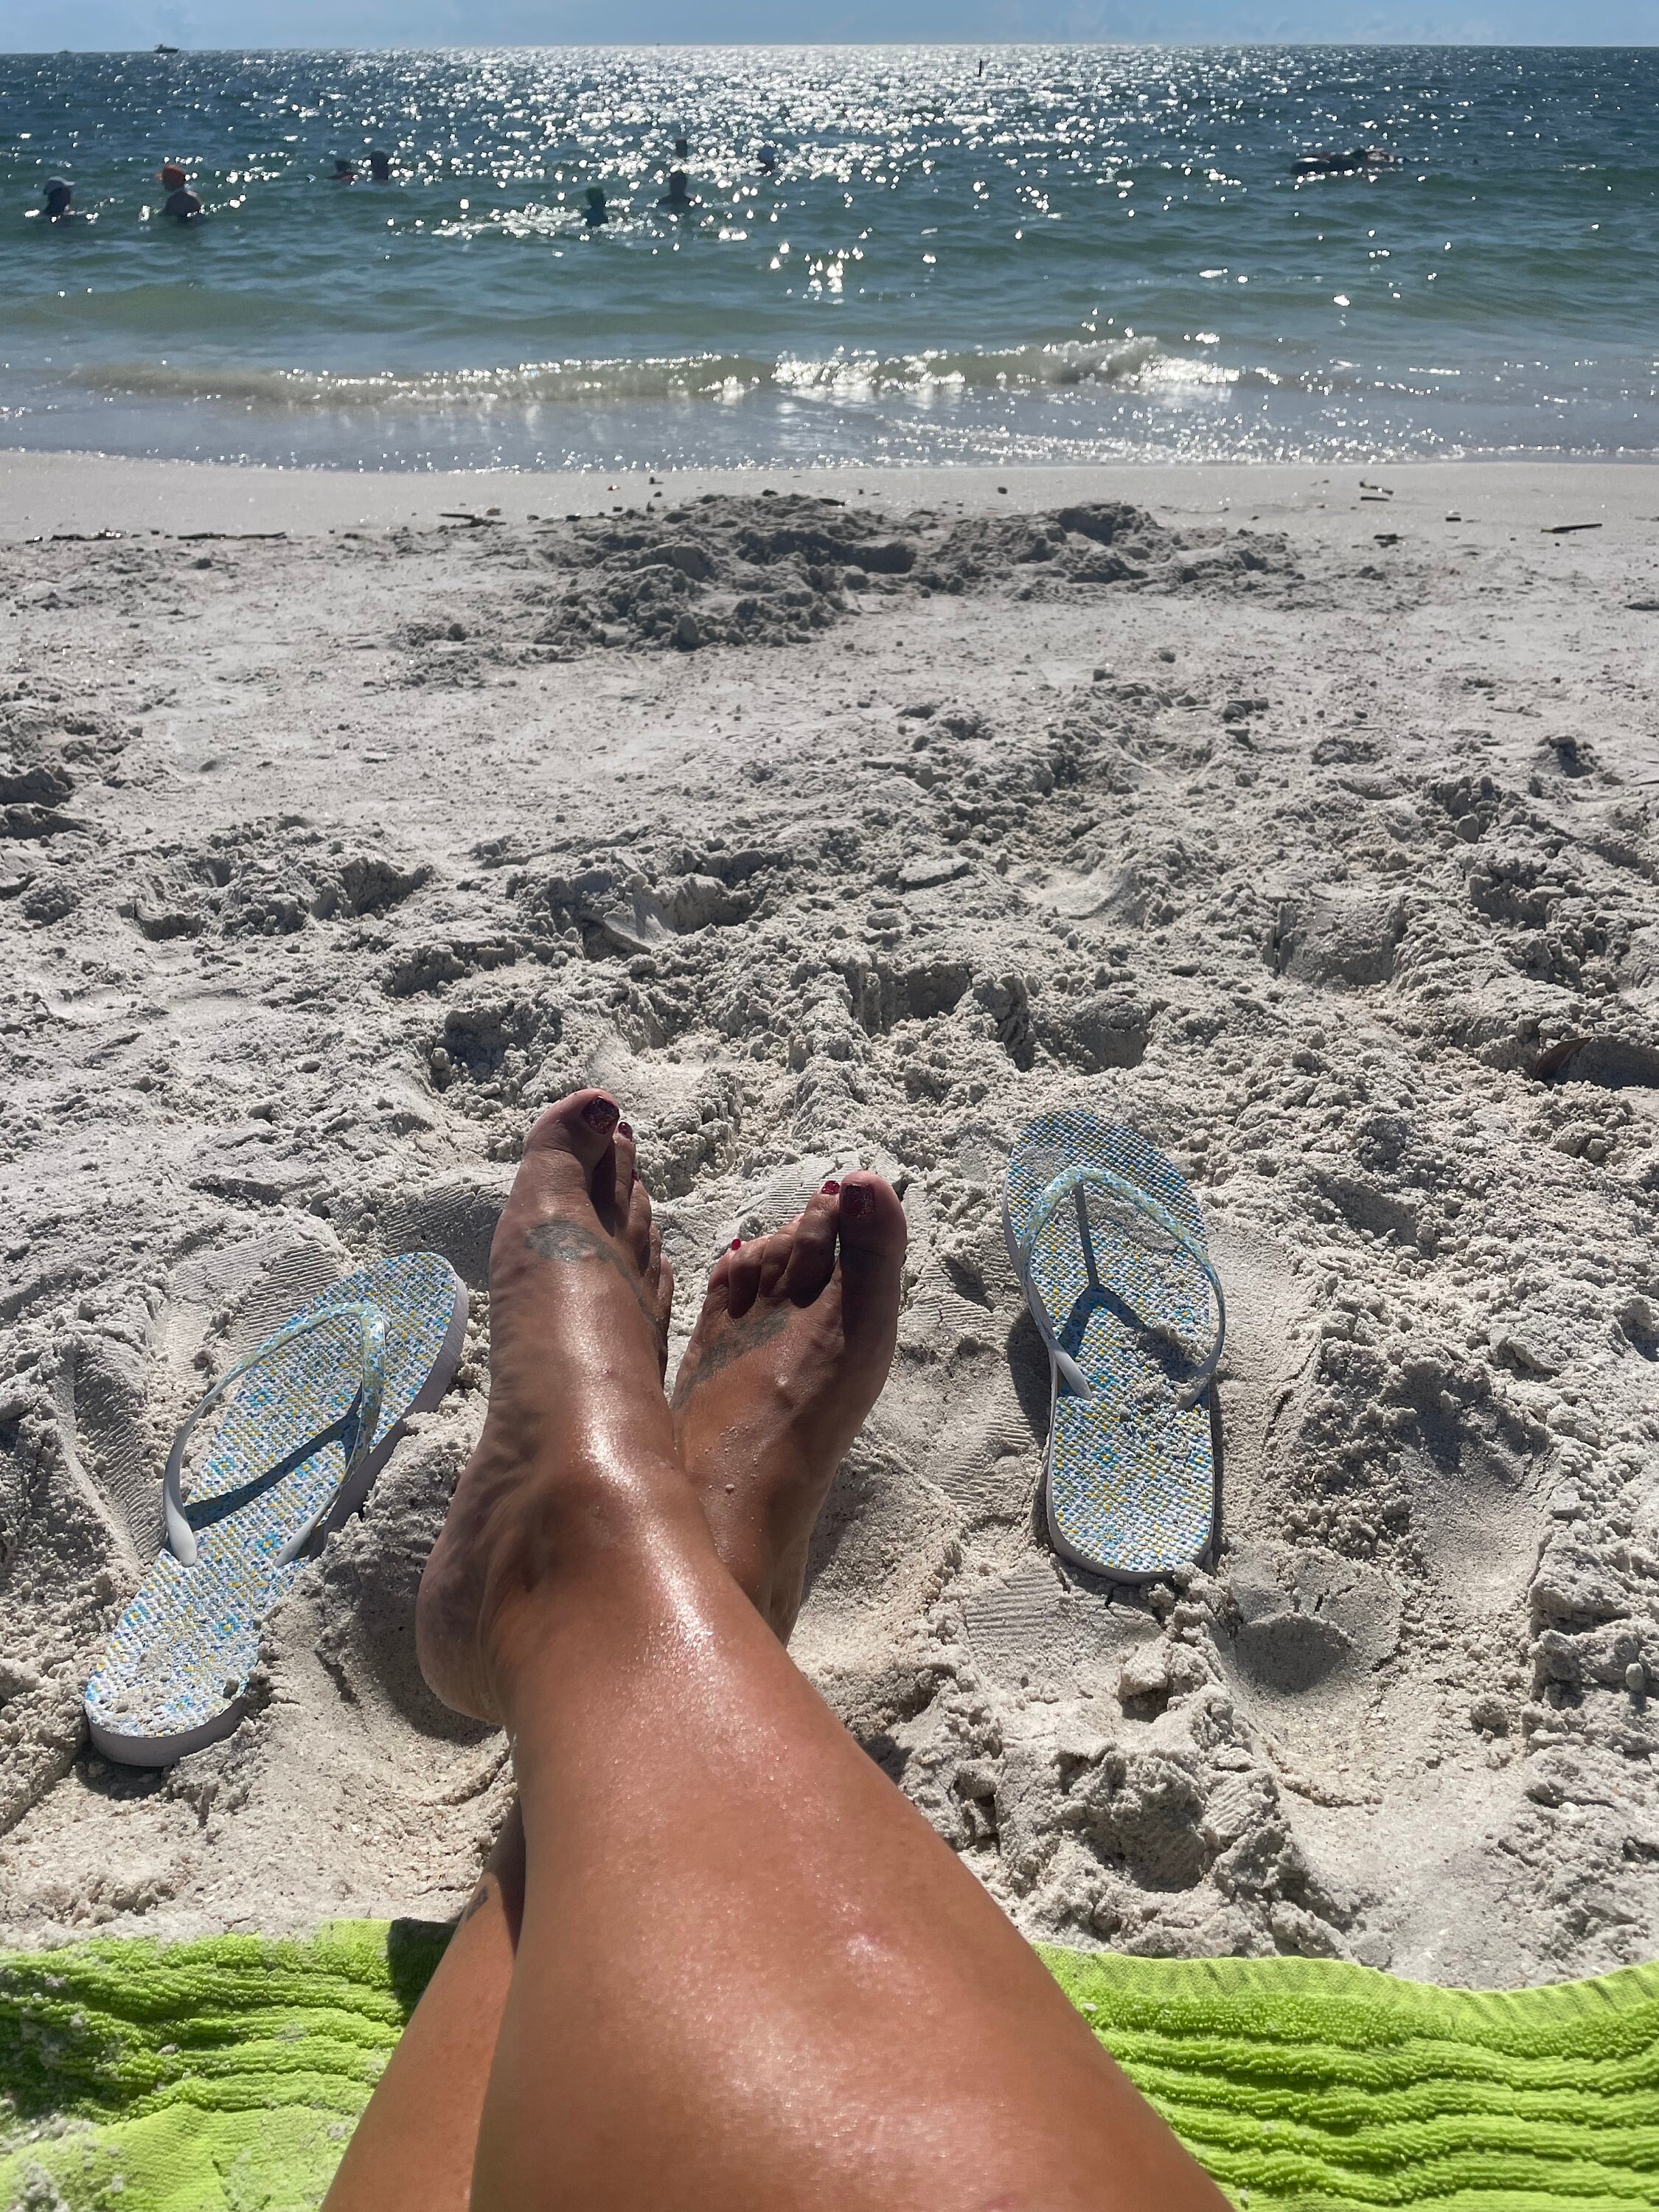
<point>761,1484</point>
<point>747,1973</point>
<point>414,2146</point>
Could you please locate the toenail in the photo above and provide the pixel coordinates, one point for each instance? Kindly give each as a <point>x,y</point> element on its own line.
<point>601,1114</point>
<point>625,1129</point>
<point>857,1199</point>
<point>828,1189</point>
<point>736,1244</point>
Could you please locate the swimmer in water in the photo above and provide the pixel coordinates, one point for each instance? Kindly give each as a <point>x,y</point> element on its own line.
<point>60,195</point>
<point>379,167</point>
<point>768,159</point>
<point>596,211</point>
<point>181,203</point>
<point>676,199</point>
<point>344,171</point>
<point>682,150</point>
<point>1356,160</point>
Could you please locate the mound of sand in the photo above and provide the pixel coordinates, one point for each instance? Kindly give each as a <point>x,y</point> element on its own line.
<point>822,835</point>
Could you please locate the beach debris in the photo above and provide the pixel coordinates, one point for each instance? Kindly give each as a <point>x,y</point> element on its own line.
<point>1566,529</point>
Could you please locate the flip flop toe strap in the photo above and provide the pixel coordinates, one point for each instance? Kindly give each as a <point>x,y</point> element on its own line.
<point>354,1432</point>
<point>1073,1184</point>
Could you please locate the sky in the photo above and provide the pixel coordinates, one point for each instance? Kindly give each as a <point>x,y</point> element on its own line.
<point>37,26</point>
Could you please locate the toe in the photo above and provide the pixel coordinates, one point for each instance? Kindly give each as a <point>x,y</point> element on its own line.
<point>743,1273</point>
<point>578,1128</point>
<point>812,1247</point>
<point>638,1226</point>
<point>657,1271</point>
<point>873,1236</point>
<point>774,1259</point>
<point>621,1173</point>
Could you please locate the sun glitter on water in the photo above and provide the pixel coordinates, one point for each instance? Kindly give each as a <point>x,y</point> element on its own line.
<point>1087,253</point>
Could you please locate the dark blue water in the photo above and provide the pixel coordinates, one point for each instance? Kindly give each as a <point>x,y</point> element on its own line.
<point>1090,252</point>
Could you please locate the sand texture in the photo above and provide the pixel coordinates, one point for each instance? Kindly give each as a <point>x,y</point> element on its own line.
<point>1316,835</point>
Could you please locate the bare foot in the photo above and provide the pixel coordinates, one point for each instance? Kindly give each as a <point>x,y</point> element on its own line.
<point>789,1355</point>
<point>578,1433</point>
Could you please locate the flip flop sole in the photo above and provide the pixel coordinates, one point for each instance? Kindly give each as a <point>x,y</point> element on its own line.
<point>174,1674</point>
<point>1130,1500</point>
<point>1128,1476</point>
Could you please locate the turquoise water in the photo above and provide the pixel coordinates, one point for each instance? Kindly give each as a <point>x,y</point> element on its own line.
<point>1087,253</point>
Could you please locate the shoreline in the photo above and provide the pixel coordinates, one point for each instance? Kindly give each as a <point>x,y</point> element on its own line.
<point>48,494</point>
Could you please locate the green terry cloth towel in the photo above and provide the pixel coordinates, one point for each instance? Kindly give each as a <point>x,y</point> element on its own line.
<point>225,2076</point>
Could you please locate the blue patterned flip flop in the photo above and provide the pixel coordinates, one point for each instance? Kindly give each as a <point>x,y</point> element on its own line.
<point>321,1405</point>
<point>1109,1246</point>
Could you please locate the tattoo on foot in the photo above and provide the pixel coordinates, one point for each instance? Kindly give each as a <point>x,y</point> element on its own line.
<point>570,1240</point>
<point>737,1338</point>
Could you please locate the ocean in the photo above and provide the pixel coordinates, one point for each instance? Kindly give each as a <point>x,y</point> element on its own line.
<point>1004,254</point>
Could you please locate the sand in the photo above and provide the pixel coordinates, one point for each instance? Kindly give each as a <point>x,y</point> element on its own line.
<point>1310,828</point>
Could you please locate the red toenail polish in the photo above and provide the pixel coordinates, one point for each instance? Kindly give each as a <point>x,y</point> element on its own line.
<point>857,1200</point>
<point>624,1130</point>
<point>737,1244</point>
<point>600,1114</point>
<point>829,1189</point>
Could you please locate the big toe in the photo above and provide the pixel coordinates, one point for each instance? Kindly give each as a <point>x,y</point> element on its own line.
<point>579,1130</point>
<point>873,1237</point>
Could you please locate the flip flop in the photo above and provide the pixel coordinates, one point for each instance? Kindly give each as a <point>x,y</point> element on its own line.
<point>322,1404</point>
<point>1109,1246</point>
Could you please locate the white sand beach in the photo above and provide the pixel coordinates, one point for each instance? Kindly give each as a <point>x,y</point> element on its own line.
<point>1312,827</point>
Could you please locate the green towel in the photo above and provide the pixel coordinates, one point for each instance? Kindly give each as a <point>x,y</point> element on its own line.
<point>225,2076</point>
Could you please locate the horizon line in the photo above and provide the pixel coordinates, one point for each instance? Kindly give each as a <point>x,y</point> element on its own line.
<point>821,45</point>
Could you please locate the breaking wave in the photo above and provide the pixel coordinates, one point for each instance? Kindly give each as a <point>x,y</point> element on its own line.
<point>1130,362</point>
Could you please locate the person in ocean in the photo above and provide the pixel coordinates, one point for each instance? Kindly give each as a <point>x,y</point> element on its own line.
<point>768,160</point>
<point>1354,160</point>
<point>181,203</point>
<point>379,167</point>
<point>60,200</point>
<point>676,199</point>
<point>596,211</point>
<point>344,173</point>
<point>716,1959</point>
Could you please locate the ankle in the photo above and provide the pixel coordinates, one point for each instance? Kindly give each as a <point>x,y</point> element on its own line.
<point>595,1531</point>
<point>598,1507</point>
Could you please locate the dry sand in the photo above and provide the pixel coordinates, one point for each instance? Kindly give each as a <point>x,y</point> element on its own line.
<point>1308,831</point>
